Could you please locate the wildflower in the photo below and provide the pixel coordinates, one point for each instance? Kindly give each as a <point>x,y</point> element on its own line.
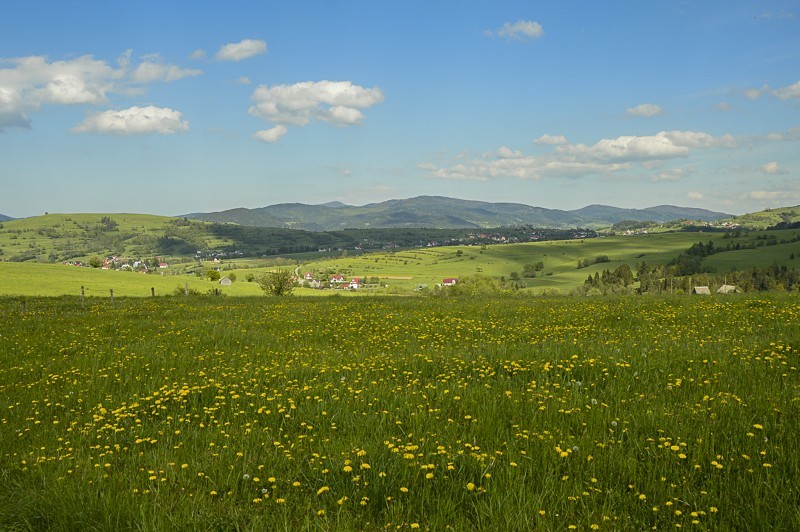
<point>470,486</point>
<point>322,490</point>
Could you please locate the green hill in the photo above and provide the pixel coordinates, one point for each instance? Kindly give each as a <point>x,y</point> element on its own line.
<point>766,218</point>
<point>441,212</point>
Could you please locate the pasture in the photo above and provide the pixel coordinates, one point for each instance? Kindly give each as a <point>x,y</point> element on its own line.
<point>400,413</point>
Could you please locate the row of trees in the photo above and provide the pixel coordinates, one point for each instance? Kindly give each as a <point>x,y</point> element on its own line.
<point>663,278</point>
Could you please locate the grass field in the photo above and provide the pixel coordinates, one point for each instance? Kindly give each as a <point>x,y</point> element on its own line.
<point>400,272</point>
<point>400,413</point>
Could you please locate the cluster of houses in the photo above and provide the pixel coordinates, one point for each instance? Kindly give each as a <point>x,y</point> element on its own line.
<point>122,263</point>
<point>340,282</point>
<point>724,289</point>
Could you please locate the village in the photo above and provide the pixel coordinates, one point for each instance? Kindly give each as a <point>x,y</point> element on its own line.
<point>340,282</point>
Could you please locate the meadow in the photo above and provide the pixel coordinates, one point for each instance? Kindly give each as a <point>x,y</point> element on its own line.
<point>403,271</point>
<point>514,413</point>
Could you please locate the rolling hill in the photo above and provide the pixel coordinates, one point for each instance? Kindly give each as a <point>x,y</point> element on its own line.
<point>443,213</point>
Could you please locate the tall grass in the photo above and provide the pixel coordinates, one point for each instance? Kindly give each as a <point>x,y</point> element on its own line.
<point>367,413</point>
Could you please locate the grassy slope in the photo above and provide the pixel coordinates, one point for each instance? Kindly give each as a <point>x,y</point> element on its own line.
<point>402,271</point>
<point>767,218</point>
<point>65,235</point>
<point>429,266</point>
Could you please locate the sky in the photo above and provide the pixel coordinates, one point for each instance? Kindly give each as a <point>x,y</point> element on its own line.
<point>179,107</point>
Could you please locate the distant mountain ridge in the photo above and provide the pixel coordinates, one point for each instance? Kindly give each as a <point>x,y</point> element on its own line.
<point>444,213</point>
<point>4,218</point>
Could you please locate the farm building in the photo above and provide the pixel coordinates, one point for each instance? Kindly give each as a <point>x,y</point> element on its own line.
<point>225,281</point>
<point>728,289</point>
<point>450,281</point>
<point>702,290</point>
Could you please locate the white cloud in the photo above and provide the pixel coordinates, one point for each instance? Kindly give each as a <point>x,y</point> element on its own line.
<point>27,83</point>
<point>790,91</point>
<point>241,50</point>
<point>645,110</point>
<point>696,196</point>
<point>520,30</point>
<point>148,72</point>
<point>770,168</point>
<point>752,94</point>
<point>336,102</point>
<point>198,54</point>
<point>270,135</point>
<point>766,194</point>
<point>552,140</point>
<point>606,156</point>
<point>675,174</point>
<point>723,106</point>
<point>134,120</point>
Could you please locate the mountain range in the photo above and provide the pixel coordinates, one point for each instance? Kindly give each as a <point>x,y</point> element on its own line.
<point>443,213</point>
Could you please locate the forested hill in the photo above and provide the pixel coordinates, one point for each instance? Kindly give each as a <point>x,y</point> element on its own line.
<point>444,213</point>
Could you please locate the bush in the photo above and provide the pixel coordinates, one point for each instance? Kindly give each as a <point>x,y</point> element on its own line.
<point>278,283</point>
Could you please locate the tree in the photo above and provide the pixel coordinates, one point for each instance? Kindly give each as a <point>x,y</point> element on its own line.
<point>277,283</point>
<point>213,275</point>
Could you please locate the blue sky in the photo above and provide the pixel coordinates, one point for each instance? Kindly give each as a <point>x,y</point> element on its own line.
<point>177,107</point>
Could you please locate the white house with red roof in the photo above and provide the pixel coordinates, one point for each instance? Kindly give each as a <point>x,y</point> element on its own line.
<point>450,281</point>
<point>355,283</point>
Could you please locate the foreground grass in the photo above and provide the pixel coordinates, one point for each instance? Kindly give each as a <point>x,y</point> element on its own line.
<point>367,413</point>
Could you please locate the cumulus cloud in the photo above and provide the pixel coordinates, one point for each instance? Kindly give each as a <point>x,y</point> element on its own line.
<point>133,121</point>
<point>271,135</point>
<point>198,54</point>
<point>520,30</point>
<point>790,91</point>
<point>606,156</point>
<point>27,83</point>
<point>770,168</point>
<point>337,102</point>
<point>552,140</point>
<point>766,194</point>
<point>645,110</point>
<point>241,50</point>
<point>675,174</point>
<point>149,71</point>
<point>695,195</point>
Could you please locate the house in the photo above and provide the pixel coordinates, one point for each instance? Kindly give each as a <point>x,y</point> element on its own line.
<point>727,289</point>
<point>337,279</point>
<point>308,276</point>
<point>354,283</point>
<point>163,265</point>
<point>701,290</point>
<point>450,281</point>
<point>225,281</point>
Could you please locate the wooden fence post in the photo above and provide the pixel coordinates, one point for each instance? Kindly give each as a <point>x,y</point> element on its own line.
<point>112,295</point>
<point>153,291</point>
<point>24,305</point>
<point>187,289</point>
<point>83,298</point>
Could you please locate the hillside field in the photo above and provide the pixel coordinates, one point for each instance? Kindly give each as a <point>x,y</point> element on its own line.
<point>507,413</point>
<point>403,271</point>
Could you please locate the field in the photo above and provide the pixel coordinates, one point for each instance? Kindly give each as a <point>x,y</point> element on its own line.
<point>400,413</point>
<point>402,271</point>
